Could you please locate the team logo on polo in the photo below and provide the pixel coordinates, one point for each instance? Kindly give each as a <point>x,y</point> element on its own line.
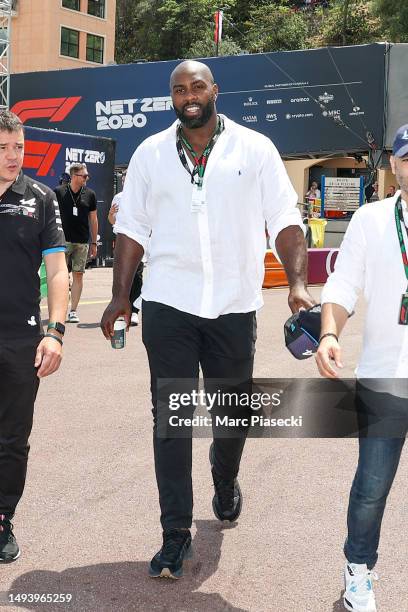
<point>26,208</point>
<point>129,113</point>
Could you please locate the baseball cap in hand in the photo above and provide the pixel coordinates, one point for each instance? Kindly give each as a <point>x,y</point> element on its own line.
<point>400,146</point>
<point>302,332</point>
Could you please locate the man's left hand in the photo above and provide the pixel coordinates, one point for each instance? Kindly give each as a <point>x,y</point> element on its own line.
<point>92,251</point>
<point>48,357</point>
<point>299,297</point>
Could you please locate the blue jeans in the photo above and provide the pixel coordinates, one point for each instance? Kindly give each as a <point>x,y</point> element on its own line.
<point>377,466</point>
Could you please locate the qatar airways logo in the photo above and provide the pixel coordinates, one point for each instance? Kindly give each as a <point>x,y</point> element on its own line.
<point>129,113</point>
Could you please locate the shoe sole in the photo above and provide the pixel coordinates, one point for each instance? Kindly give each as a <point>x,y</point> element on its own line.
<point>166,573</point>
<point>10,560</point>
<point>349,607</point>
<point>223,520</point>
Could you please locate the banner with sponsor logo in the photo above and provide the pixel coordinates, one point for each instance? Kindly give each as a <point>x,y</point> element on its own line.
<point>315,101</point>
<point>48,153</point>
<point>397,98</point>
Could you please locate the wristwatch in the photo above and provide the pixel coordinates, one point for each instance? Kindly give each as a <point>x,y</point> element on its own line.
<point>59,327</point>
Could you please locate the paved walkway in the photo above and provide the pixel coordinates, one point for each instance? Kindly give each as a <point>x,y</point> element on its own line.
<point>88,522</point>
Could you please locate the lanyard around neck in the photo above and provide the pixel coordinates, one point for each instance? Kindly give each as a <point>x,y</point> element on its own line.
<point>77,198</point>
<point>200,163</point>
<point>399,222</point>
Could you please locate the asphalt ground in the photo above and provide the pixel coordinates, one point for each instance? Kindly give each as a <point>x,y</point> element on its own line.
<point>88,523</point>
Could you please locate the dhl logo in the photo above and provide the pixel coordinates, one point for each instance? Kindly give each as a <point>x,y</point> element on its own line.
<point>40,155</point>
<point>55,109</point>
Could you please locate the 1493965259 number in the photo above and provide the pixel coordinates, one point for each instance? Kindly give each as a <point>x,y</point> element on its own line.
<point>39,597</point>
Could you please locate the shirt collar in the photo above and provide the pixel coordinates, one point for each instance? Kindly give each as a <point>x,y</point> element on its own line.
<point>20,184</point>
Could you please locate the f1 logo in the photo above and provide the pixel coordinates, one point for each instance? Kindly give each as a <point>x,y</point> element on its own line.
<point>40,155</point>
<point>55,109</point>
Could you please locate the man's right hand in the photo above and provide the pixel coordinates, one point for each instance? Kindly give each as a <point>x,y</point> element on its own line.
<point>118,307</point>
<point>329,350</point>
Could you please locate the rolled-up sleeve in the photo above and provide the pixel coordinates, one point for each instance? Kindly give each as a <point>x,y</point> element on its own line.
<point>133,219</point>
<point>344,284</point>
<point>278,195</point>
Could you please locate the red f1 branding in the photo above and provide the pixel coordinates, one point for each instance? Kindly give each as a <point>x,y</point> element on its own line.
<point>40,155</point>
<point>55,109</point>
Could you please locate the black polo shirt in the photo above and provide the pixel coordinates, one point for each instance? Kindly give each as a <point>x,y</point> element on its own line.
<point>76,227</point>
<point>30,227</point>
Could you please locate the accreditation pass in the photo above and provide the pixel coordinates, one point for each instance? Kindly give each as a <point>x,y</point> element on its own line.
<point>198,201</point>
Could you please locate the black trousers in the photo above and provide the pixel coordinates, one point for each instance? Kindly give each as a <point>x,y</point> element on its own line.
<point>177,344</point>
<point>18,390</point>
<point>136,287</point>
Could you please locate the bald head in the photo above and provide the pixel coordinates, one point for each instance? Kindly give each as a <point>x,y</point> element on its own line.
<point>194,93</point>
<point>191,67</point>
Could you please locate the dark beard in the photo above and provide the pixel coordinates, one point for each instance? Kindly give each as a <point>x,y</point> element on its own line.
<point>192,123</point>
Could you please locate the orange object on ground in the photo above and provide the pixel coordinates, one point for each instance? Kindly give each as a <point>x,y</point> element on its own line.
<point>275,275</point>
<point>320,265</point>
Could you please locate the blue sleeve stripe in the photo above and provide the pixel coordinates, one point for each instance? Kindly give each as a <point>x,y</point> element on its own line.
<point>59,249</point>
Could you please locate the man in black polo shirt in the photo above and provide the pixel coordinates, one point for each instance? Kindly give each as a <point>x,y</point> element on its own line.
<point>79,219</point>
<point>30,228</point>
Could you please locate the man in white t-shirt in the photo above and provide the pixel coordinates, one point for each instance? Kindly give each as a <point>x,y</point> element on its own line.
<point>372,258</point>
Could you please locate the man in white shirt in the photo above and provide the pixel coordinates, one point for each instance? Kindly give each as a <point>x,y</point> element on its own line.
<point>373,259</point>
<point>196,197</point>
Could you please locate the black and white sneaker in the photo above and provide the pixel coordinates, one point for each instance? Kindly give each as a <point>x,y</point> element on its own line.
<point>168,562</point>
<point>227,500</point>
<point>358,590</point>
<point>9,550</point>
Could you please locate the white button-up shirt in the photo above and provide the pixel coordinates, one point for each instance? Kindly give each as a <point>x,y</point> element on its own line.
<point>208,262</point>
<point>370,260</point>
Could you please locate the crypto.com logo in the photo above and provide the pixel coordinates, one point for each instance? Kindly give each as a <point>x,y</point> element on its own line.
<point>55,109</point>
<point>40,155</point>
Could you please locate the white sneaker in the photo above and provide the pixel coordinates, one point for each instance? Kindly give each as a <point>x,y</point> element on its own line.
<point>134,319</point>
<point>72,317</point>
<point>359,595</point>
